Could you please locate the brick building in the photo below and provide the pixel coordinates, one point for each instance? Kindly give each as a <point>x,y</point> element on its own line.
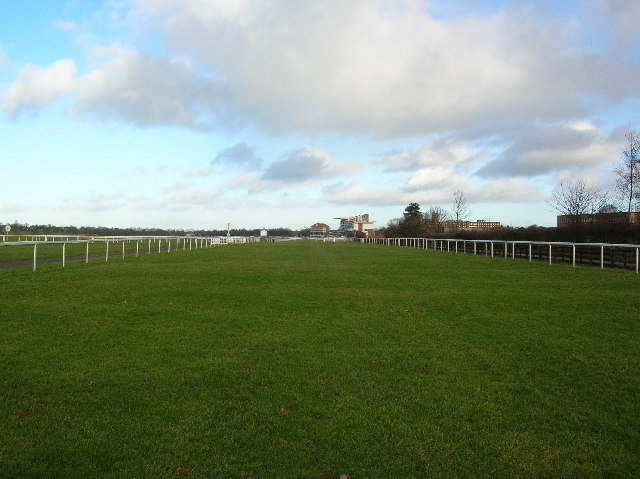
<point>319,230</point>
<point>472,225</point>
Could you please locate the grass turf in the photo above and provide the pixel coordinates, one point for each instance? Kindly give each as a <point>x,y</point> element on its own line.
<point>110,249</point>
<point>306,359</point>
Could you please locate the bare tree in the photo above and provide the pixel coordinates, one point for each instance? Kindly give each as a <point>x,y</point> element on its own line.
<point>460,206</point>
<point>576,198</point>
<point>628,172</point>
<point>434,221</point>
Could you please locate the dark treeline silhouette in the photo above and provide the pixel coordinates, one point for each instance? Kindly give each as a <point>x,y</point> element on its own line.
<point>581,233</point>
<point>436,223</point>
<point>23,228</point>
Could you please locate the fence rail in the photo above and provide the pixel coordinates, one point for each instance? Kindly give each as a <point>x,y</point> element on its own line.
<point>143,244</point>
<point>626,256</point>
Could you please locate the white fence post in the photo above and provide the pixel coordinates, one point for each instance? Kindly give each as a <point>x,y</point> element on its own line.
<point>422,243</point>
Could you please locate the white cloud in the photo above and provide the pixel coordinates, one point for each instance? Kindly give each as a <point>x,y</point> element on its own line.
<point>497,191</point>
<point>496,92</point>
<point>36,87</point>
<point>64,25</point>
<point>95,202</point>
<point>357,193</point>
<point>436,177</point>
<point>239,155</point>
<point>306,164</point>
<point>184,199</point>
<point>10,208</point>
<point>505,191</point>
<point>623,18</point>
<point>245,182</point>
<point>555,147</point>
<point>177,186</point>
<point>145,89</point>
<point>387,67</point>
<point>441,181</point>
<point>435,153</point>
<point>198,173</point>
<point>440,164</point>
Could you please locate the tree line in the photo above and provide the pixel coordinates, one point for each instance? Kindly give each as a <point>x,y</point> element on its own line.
<point>572,198</point>
<point>25,228</point>
<point>432,224</point>
<point>438,223</point>
<point>576,197</point>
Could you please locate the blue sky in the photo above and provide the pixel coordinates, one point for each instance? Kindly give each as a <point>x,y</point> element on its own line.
<point>195,113</point>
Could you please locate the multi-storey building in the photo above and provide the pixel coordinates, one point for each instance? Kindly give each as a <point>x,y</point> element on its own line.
<point>319,230</point>
<point>471,225</point>
<point>358,223</point>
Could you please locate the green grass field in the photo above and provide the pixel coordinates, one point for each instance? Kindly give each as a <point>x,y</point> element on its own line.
<point>307,360</point>
<point>97,249</point>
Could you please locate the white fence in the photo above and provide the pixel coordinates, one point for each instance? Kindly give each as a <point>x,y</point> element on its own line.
<point>143,244</point>
<point>625,256</point>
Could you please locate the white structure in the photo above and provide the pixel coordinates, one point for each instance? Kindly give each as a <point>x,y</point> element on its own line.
<point>358,223</point>
<point>319,230</point>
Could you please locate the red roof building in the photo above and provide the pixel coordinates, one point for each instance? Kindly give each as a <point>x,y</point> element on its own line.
<point>319,230</point>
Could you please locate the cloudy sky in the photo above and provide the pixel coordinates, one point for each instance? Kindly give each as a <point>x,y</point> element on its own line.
<point>263,113</point>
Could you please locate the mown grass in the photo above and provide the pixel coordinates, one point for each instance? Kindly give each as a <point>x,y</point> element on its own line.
<point>49,249</point>
<point>308,360</point>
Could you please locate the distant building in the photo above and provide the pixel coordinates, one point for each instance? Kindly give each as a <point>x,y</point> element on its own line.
<point>472,225</point>
<point>319,230</point>
<point>263,233</point>
<point>564,221</point>
<point>358,223</point>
